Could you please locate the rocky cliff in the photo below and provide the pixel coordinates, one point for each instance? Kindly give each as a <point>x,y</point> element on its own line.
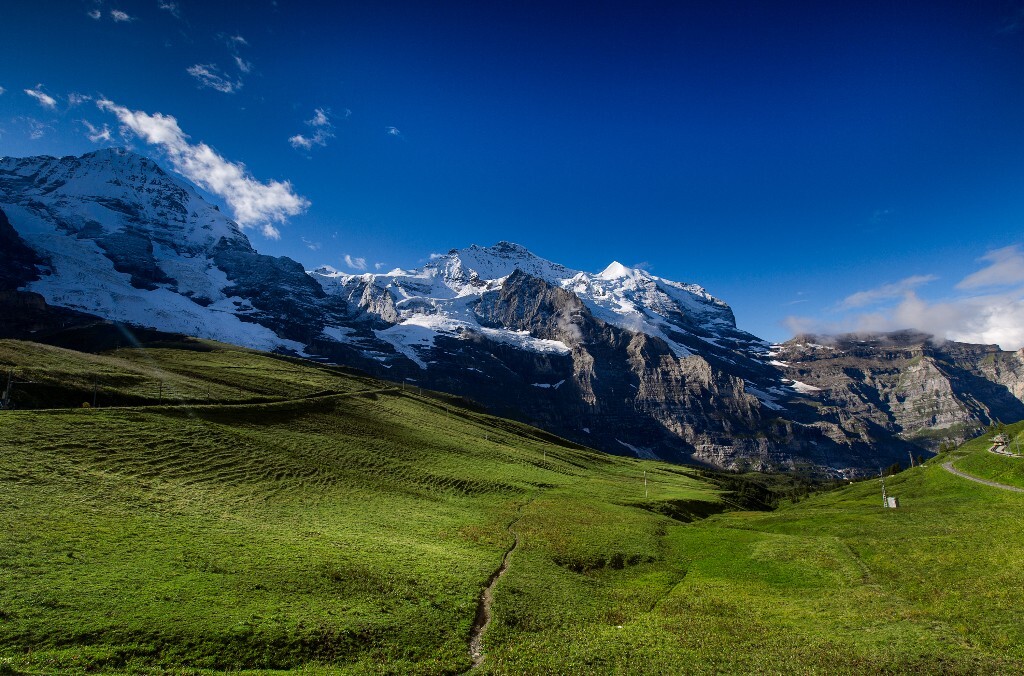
<point>908,383</point>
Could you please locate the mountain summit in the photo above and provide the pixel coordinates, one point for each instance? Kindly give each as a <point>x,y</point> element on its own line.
<point>620,359</point>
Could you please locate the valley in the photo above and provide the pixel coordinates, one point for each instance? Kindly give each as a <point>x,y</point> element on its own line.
<point>317,520</point>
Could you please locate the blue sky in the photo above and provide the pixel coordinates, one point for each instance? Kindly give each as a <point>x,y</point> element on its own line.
<point>818,166</point>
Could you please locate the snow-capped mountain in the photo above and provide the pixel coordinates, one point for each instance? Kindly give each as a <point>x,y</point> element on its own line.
<point>118,237</point>
<point>618,359</point>
<point>444,297</point>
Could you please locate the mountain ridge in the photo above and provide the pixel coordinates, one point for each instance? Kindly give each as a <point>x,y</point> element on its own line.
<point>619,359</point>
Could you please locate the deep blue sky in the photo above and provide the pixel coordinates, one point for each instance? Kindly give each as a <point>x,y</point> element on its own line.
<point>783,155</point>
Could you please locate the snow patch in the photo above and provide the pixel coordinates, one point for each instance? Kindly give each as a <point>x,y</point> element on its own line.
<point>554,386</point>
<point>640,451</point>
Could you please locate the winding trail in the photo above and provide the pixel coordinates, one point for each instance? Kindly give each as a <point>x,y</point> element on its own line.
<point>948,466</point>
<point>483,607</point>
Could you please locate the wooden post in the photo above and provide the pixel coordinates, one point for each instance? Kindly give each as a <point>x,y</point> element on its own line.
<point>645,483</point>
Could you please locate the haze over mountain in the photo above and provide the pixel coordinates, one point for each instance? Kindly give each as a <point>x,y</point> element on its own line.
<point>620,359</point>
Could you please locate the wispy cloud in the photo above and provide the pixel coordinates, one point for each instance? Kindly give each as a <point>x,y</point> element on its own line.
<point>2,90</point>
<point>355,263</point>
<point>393,131</point>
<point>36,129</point>
<point>884,292</point>
<point>95,134</point>
<point>1005,268</point>
<point>378,266</point>
<point>210,76</point>
<point>254,203</point>
<point>322,130</point>
<point>312,246</point>
<point>995,315</point>
<point>234,43</point>
<point>44,99</point>
<point>120,17</point>
<point>94,14</point>
<point>172,7</point>
<point>76,99</point>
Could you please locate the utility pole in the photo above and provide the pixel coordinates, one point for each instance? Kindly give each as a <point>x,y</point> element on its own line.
<point>645,483</point>
<point>911,454</point>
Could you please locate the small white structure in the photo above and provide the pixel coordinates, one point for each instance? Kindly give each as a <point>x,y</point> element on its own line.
<point>892,502</point>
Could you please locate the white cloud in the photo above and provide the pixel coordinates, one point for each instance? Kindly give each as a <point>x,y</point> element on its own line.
<point>319,119</point>
<point>210,76</point>
<point>378,266</point>
<point>44,99</point>
<point>97,135</point>
<point>993,316</point>
<point>171,7</point>
<point>36,129</point>
<point>120,17</point>
<point>94,14</point>
<point>76,99</point>
<point>323,130</point>
<point>2,90</point>
<point>1006,268</point>
<point>243,65</point>
<point>253,203</point>
<point>238,40</point>
<point>393,131</point>
<point>355,263</point>
<point>300,141</point>
<point>884,292</point>
<point>312,246</point>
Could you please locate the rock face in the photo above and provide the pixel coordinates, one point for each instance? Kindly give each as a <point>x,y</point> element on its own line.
<point>620,360</point>
<point>909,384</point>
<point>20,262</point>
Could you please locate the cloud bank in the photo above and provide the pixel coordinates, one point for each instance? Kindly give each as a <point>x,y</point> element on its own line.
<point>990,308</point>
<point>253,203</point>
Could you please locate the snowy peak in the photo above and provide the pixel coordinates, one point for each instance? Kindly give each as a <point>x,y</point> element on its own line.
<point>123,239</point>
<point>115,190</point>
<point>615,271</point>
<point>496,262</point>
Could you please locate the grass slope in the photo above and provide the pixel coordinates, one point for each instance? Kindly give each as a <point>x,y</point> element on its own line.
<point>977,461</point>
<point>354,529</point>
<point>353,532</point>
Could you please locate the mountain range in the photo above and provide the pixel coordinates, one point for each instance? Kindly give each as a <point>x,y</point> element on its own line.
<point>620,360</point>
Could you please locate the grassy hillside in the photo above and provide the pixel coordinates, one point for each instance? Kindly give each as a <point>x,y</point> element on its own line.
<point>977,461</point>
<point>351,526</point>
<point>353,529</point>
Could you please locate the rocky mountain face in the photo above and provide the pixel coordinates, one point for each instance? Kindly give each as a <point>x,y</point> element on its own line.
<point>620,360</point>
<point>909,384</point>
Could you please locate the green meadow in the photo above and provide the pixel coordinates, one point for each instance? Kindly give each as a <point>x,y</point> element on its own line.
<point>246,512</point>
